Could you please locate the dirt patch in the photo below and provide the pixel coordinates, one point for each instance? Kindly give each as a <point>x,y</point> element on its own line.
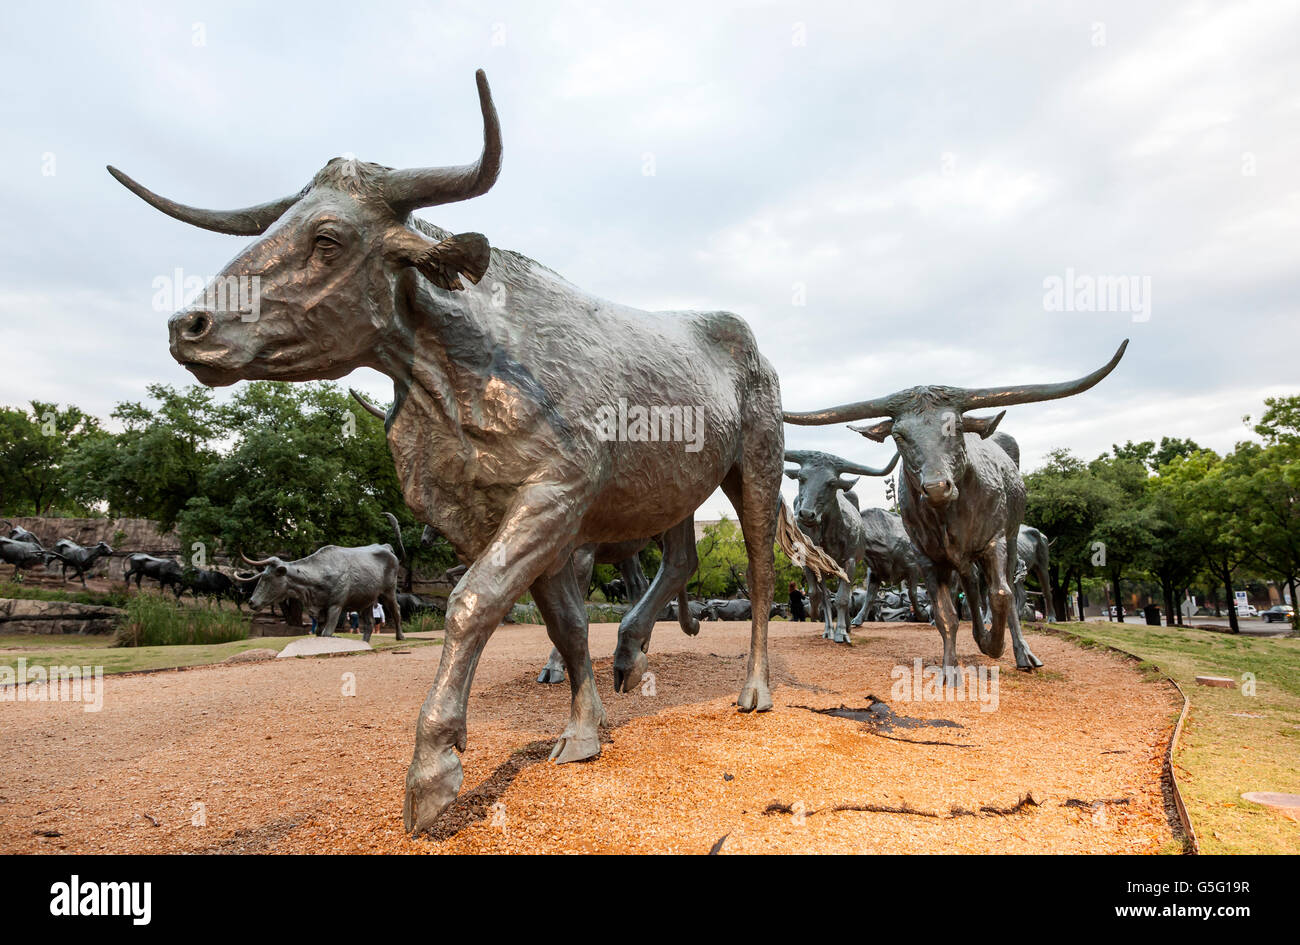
<point>277,756</point>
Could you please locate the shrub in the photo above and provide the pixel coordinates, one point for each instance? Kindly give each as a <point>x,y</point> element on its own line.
<point>425,622</point>
<point>154,620</point>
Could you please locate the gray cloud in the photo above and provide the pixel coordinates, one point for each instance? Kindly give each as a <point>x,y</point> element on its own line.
<point>914,175</point>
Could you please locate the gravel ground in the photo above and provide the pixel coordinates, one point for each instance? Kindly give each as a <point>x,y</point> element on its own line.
<point>274,757</point>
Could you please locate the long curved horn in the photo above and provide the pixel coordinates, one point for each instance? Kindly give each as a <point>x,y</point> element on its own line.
<point>857,469</point>
<point>411,188</point>
<point>984,397</point>
<point>370,408</point>
<point>799,456</point>
<point>257,564</point>
<point>878,407</point>
<point>250,221</point>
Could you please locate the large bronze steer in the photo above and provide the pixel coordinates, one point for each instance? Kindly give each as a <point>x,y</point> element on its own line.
<point>961,496</point>
<point>512,425</point>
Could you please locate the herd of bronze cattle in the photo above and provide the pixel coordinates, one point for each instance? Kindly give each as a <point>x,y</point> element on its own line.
<point>496,387</point>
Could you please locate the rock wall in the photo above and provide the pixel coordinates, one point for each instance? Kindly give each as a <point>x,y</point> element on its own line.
<point>125,535</point>
<point>55,616</point>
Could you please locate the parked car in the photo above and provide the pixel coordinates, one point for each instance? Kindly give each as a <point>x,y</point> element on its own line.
<point>1247,611</point>
<point>1279,613</point>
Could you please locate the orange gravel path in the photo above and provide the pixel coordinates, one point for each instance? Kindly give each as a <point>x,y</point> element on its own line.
<point>273,757</point>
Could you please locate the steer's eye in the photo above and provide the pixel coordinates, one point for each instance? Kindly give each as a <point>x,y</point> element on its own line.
<point>327,246</point>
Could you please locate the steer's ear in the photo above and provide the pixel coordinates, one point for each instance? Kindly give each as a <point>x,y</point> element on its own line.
<point>984,426</point>
<point>281,570</point>
<point>876,431</point>
<point>466,254</point>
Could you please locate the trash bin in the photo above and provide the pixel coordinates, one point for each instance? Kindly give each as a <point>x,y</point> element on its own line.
<point>1152,613</point>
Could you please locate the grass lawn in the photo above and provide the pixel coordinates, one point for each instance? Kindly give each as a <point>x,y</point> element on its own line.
<point>1233,741</point>
<point>52,649</point>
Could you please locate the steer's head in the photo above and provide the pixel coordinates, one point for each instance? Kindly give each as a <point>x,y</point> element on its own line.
<point>821,480</point>
<point>312,298</point>
<point>272,582</point>
<point>930,425</point>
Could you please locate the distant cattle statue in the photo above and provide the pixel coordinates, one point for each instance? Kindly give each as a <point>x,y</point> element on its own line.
<point>165,571</point>
<point>891,559</point>
<point>332,581</point>
<point>24,554</point>
<point>510,426</point>
<point>79,558</point>
<point>832,522</point>
<point>212,585</point>
<point>626,555</point>
<point>18,533</point>
<point>1033,555</point>
<point>961,496</point>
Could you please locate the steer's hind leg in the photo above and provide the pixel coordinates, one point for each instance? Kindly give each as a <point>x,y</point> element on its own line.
<point>843,598</point>
<point>974,604</point>
<point>553,671</point>
<point>1025,658</point>
<point>1001,607</point>
<point>583,562</point>
<point>679,563</point>
<point>542,520</point>
<point>756,493</point>
<point>824,595</point>
<point>559,598</point>
<point>392,611</point>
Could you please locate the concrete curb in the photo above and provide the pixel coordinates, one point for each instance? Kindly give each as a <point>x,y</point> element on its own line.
<point>1192,843</point>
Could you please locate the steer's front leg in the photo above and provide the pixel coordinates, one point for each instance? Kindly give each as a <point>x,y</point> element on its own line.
<point>542,521</point>
<point>844,597</point>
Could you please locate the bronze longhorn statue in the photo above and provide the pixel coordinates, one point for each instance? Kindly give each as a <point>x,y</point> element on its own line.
<point>832,522</point>
<point>961,496</point>
<point>499,426</point>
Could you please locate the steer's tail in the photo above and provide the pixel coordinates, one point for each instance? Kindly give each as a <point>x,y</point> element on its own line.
<point>802,552</point>
<point>397,532</point>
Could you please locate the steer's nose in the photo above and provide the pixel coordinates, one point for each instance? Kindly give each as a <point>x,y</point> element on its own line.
<point>938,491</point>
<point>189,326</point>
<point>807,517</point>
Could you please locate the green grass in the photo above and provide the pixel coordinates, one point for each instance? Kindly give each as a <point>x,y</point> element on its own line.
<point>154,620</point>
<point>73,650</point>
<point>1233,741</point>
<point>25,592</point>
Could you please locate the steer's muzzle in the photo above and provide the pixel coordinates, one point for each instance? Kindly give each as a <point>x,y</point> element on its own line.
<point>197,345</point>
<point>939,492</point>
<point>808,517</point>
<point>189,326</point>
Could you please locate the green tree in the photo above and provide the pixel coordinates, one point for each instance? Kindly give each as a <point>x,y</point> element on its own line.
<point>306,468</point>
<point>1066,501</point>
<point>35,447</point>
<point>723,561</point>
<point>1125,531</point>
<point>157,463</point>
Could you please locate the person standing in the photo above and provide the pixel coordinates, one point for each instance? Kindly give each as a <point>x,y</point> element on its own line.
<point>377,614</point>
<point>797,610</point>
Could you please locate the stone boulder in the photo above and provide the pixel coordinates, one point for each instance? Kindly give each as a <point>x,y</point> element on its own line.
<point>316,646</point>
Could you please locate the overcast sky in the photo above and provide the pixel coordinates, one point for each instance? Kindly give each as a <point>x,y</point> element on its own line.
<point>880,191</point>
